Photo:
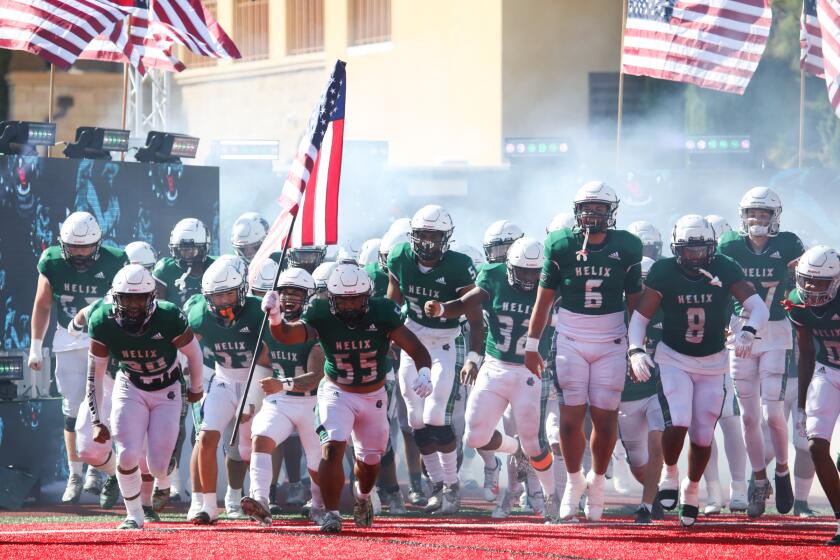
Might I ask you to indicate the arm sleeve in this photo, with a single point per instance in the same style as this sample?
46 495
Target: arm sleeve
195 361
255 393
550 276
96 370
637 329
759 314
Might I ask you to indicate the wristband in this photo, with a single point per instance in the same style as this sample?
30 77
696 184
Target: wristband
425 371
288 382
532 344
635 350
36 347
749 329
475 357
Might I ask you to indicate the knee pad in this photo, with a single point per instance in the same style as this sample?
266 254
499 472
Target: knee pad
541 461
442 435
425 440
637 453
70 424
368 457
388 459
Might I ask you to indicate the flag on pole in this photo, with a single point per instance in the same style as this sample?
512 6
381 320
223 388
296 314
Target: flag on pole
810 41
56 30
828 16
313 180
189 23
714 44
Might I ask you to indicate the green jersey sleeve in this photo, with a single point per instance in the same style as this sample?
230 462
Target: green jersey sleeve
556 247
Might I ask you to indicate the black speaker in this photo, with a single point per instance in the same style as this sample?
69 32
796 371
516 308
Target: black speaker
15 486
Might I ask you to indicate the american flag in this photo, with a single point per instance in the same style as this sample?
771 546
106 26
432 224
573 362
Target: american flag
828 16
189 23
810 40
56 30
313 180
714 44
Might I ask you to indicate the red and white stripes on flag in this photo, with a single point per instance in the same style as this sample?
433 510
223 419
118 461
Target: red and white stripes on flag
828 15
189 23
714 44
810 40
311 189
56 30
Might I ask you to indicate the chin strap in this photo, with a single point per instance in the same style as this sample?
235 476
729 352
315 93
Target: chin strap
583 254
713 280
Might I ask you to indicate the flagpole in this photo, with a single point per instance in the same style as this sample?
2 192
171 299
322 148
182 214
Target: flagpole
620 89
801 115
260 336
51 95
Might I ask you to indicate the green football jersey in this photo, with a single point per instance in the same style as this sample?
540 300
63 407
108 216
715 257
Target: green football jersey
824 324
113 363
597 285
695 309
508 315
379 278
73 290
179 285
232 346
442 283
290 360
355 356
767 271
150 360
637 391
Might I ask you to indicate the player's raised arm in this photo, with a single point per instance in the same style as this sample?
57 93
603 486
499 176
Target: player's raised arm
295 332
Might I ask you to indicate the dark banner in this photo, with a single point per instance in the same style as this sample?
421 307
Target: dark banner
131 201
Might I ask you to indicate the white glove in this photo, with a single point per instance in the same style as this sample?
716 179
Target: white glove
36 354
801 417
271 305
743 343
642 365
422 386
73 330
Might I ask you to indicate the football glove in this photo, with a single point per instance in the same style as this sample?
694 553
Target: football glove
801 417
744 342
422 386
641 364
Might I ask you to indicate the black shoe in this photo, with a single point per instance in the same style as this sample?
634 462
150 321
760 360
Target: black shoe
834 541
751 486
643 515
273 506
784 494
669 495
150 515
688 515
658 512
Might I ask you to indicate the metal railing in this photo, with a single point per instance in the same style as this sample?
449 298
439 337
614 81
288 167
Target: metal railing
250 28
368 21
304 26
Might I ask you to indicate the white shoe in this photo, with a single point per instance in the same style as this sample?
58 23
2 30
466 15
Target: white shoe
669 488
738 496
714 501
595 498
575 487
503 506
73 491
491 481
622 478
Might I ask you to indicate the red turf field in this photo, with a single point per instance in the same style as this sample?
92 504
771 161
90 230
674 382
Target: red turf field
414 537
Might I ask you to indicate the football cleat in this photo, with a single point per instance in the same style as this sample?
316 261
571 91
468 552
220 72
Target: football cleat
784 493
657 513
595 500
451 499
316 515
295 495
689 503
256 510
150 515
436 501
129 523
504 505
93 481
363 513
802 509
575 487
160 498
331 523
491 481
273 506
395 503
552 510
668 489
416 497
110 493
204 518
738 501
73 492
758 500
643 516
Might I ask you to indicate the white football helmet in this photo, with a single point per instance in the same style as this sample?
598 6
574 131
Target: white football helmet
760 198
133 294
400 225
647 262
719 224
296 286
140 252
249 231
189 242
563 220
597 192
391 240
348 291
307 258
369 253
818 275
498 238
321 275
347 254
80 238
650 236
236 262
474 254
693 243
219 283
431 230
264 278
524 263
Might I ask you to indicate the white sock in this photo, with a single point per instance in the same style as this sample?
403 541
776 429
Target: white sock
783 473
672 471
260 476
317 499
509 445
134 510
233 494
175 480
489 458
558 467
449 465
197 500
802 488
76 467
546 478
130 486
163 483
433 467
210 504
109 467
762 482
146 489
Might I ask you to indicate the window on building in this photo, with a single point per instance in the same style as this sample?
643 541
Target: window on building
304 26
250 28
369 21
192 60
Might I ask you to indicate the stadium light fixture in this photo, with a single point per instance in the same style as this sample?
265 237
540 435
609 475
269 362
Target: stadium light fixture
97 143
21 137
516 148
166 147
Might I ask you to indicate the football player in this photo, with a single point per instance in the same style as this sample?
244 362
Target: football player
75 273
249 231
307 258
595 270
692 288
767 256
290 398
355 331
815 312
650 237
179 275
369 253
145 335
498 238
423 270
641 422
226 322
